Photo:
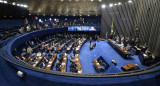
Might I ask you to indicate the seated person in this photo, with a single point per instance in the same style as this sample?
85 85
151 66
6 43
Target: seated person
45 60
156 58
128 47
148 58
50 55
58 65
126 41
24 50
55 49
39 54
32 43
144 47
23 58
73 67
42 64
72 59
43 46
133 42
92 45
130 67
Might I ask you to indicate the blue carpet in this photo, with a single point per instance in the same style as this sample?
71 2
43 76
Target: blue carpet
108 53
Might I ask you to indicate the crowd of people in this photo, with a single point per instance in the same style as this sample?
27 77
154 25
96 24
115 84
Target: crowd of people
133 43
42 45
52 24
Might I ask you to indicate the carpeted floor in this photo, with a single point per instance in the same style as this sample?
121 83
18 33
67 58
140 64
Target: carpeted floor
107 52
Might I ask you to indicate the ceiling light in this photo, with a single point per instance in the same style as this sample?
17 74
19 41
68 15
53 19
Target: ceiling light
130 1
103 6
5 2
100 0
13 3
110 5
119 3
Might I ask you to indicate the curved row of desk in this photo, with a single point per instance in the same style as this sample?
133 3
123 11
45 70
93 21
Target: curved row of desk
9 66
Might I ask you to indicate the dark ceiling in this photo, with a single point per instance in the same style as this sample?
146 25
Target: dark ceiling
65 7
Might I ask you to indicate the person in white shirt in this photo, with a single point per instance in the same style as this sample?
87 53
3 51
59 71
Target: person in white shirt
39 54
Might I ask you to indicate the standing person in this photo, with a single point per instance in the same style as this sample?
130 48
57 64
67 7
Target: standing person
137 31
29 50
90 40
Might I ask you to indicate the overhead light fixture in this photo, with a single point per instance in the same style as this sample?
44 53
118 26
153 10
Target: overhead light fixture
5 2
18 4
13 3
119 3
25 6
110 5
92 0
115 4
103 6
100 0
50 19
130 1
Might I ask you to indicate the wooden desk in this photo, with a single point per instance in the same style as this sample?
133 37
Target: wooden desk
102 39
51 48
122 52
61 47
64 63
35 64
77 62
51 61
128 67
97 65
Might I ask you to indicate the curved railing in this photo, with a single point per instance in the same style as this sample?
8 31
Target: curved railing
11 59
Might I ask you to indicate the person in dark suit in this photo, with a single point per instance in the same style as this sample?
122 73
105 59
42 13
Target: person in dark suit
58 65
73 67
111 36
157 58
50 55
144 47
126 41
132 42
137 41
42 64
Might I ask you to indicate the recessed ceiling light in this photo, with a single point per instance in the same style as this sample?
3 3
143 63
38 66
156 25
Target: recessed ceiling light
103 6
110 5
119 3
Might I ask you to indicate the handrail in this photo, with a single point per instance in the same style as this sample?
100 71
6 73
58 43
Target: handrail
83 75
